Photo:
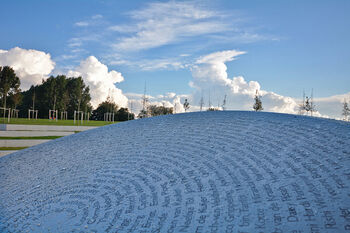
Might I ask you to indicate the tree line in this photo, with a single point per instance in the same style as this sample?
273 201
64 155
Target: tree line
69 94
62 93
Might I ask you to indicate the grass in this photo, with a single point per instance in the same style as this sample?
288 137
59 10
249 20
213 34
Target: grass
25 121
35 137
12 148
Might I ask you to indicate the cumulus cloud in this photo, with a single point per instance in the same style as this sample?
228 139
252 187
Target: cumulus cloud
30 65
211 82
211 69
210 76
332 106
169 100
101 81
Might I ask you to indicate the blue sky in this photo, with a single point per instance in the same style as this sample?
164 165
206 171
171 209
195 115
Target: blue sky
289 45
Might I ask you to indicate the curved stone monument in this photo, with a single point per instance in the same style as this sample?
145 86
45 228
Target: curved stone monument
195 172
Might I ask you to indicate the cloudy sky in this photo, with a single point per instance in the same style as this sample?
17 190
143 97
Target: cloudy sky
186 49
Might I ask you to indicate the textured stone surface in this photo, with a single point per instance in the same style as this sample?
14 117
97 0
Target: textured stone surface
197 172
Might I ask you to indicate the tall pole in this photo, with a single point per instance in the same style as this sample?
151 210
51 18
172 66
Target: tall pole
312 100
144 102
224 103
209 101
201 103
34 100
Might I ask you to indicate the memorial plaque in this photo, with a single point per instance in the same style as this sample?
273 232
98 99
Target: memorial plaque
194 172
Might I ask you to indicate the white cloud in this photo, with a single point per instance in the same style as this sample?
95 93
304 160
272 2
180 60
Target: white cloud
165 23
210 76
332 106
101 81
93 21
210 80
161 64
211 69
79 41
30 65
82 24
97 16
170 100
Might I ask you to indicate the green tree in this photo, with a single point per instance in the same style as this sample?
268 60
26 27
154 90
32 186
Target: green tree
186 105
9 83
104 107
346 111
258 104
123 114
155 110
143 114
59 93
14 99
79 96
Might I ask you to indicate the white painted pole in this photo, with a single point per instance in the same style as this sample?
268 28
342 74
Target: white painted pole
8 115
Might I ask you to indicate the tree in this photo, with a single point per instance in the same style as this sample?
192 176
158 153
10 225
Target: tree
143 114
59 93
108 105
309 106
123 114
346 111
155 110
79 96
258 104
104 107
14 99
9 83
186 105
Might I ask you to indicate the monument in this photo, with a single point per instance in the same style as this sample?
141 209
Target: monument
64 115
108 116
3 113
32 114
77 115
14 113
53 114
222 171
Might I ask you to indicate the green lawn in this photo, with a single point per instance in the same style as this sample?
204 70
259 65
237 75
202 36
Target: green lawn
25 121
34 137
12 148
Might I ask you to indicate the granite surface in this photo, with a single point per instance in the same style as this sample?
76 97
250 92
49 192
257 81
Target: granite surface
195 172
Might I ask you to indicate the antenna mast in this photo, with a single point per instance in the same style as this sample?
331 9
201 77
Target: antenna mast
144 102
201 103
209 101
224 103
312 101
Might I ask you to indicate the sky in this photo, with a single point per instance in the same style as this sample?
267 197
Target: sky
186 49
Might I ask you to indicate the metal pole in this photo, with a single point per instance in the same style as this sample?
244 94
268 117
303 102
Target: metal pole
8 115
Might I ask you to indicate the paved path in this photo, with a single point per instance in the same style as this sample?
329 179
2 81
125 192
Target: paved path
6 152
195 172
